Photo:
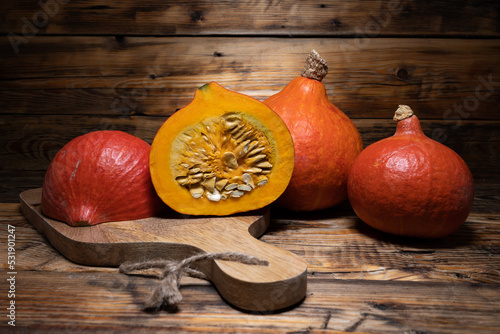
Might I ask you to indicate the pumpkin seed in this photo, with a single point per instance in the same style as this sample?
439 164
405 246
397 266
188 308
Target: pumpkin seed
248 179
230 159
214 196
262 181
256 158
194 170
244 187
242 149
219 185
253 170
209 184
231 121
256 151
209 175
182 180
237 193
232 186
196 191
264 164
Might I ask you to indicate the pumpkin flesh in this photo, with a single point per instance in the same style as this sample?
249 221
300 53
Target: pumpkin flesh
223 153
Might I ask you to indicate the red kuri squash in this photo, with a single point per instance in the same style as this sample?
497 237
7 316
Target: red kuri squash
411 185
326 141
99 177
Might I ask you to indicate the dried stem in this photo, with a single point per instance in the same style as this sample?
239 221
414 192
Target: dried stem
403 112
316 67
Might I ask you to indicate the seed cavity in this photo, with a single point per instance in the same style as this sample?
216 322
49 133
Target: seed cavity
222 157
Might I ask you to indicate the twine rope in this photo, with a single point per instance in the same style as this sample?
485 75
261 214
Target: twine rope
166 292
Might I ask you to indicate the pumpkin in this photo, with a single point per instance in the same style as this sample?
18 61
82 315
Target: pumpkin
223 153
99 177
326 141
411 185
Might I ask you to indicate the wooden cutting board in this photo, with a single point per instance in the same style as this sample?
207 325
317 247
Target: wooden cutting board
279 285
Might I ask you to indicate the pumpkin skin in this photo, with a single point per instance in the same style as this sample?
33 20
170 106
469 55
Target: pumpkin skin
192 138
326 141
411 185
99 177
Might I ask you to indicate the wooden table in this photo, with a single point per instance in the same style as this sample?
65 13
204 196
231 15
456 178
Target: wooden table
71 67
359 280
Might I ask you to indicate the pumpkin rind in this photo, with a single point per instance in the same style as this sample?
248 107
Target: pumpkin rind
99 177
411 185
326 141
212 103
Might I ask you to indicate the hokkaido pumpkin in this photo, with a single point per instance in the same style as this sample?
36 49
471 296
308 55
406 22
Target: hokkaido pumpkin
99 177
325 139
223 153
411 185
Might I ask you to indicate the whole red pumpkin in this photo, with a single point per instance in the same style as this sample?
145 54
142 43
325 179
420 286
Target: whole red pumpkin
99 177
409 184
326 141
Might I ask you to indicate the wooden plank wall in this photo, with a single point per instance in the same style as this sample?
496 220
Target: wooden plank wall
69 67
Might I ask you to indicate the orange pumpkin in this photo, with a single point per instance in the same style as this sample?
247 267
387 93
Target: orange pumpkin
99 177
326 141
411 185
223 153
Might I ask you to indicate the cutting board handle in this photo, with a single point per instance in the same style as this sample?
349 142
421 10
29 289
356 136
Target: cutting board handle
276 286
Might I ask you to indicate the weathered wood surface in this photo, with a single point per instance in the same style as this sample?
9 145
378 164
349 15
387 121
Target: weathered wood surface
335 244
263 17
444 79
359 280
109 302
245 286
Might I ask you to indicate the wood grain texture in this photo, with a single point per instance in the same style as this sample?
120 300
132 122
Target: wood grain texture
176 237
54 294
335 244
341 246
445 79
269 17
107 302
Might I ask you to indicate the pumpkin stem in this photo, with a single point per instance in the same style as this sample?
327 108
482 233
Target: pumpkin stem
403 112
316 67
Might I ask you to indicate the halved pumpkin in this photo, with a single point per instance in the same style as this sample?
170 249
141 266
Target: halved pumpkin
223 153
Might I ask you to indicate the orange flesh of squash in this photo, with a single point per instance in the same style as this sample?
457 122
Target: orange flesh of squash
211 103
